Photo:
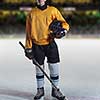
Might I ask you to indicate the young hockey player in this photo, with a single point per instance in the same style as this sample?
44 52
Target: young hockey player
40 44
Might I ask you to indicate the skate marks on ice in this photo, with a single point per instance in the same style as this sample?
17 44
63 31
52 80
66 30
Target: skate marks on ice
8 94
82 98
78 98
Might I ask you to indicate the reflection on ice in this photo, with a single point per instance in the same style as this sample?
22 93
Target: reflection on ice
6 97
11 94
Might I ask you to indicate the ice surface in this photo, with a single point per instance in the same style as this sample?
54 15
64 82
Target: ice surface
79 70
6 97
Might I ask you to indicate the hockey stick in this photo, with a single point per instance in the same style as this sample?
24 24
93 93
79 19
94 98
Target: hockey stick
38 65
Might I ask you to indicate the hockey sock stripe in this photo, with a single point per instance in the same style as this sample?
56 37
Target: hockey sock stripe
54 77
39 77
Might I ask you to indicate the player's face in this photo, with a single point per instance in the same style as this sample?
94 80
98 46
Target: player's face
41 2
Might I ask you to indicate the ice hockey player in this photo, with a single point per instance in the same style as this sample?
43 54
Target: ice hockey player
40 44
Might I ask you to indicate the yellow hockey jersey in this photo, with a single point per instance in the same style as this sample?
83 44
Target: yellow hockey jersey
37 25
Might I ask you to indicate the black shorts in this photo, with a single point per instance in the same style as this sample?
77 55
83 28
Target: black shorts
50 51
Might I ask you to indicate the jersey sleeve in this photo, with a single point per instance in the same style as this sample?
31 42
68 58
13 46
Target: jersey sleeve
60 17
28 41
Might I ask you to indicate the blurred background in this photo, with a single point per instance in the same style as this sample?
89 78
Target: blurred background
82 15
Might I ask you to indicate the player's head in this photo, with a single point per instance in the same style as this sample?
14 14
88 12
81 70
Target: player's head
41 2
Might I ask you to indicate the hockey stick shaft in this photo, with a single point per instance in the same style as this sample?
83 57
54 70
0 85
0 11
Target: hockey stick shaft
36 63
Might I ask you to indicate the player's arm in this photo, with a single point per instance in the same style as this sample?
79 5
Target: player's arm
59 17
28 41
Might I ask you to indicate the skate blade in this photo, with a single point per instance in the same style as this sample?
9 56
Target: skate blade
53 98
42 98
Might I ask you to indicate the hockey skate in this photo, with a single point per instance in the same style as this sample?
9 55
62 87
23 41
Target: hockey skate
40 94
57 95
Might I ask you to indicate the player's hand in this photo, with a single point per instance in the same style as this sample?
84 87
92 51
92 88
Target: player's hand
28 53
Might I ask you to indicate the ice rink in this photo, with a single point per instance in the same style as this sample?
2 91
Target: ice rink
79 70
